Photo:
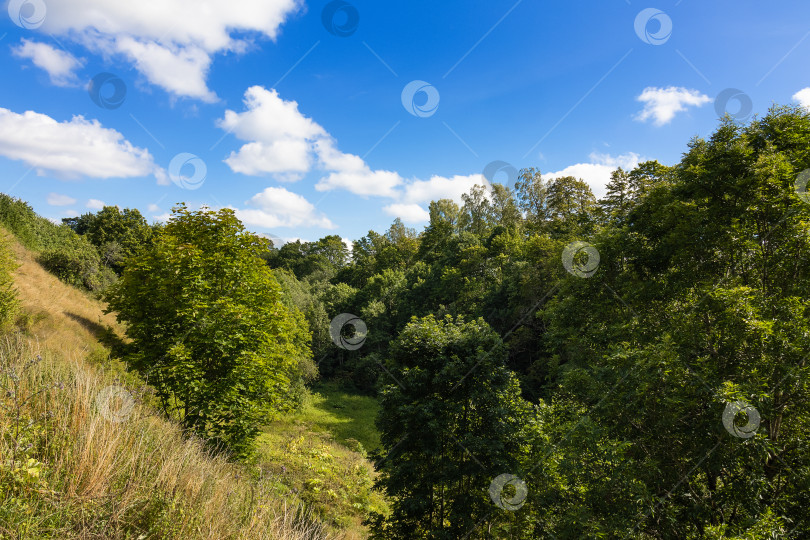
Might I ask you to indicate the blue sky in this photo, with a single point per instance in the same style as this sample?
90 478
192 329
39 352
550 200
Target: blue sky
302 127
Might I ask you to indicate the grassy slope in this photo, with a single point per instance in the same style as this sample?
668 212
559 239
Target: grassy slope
63 319
74 474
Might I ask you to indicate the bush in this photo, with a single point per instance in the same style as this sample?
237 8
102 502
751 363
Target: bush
78 265
64 253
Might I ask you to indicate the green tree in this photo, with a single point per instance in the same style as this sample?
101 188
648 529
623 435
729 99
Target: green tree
700 302
452 423
116 233
210 328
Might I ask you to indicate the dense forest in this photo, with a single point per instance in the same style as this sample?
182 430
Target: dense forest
548 365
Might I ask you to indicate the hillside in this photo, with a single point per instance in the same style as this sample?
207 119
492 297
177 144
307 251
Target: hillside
68 472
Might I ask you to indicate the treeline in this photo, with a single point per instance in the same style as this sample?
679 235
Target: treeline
86 251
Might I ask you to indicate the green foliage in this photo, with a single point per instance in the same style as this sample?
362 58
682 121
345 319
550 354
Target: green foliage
318 454
453 420
67 255
209 326
9 304
700 301
78 263
605 394
116 234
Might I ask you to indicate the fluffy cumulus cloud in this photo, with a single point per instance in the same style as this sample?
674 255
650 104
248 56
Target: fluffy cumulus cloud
351 173
597 172
280 141
662 104
71 149
278 207
56 199
60 65
803 97
171 42
95 204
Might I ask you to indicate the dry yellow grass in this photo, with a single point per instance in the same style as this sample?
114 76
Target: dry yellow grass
64 318
72 471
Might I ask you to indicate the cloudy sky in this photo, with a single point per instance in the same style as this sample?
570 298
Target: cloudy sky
316 118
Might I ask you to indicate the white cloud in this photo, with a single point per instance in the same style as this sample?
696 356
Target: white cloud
60 65
418 192
409 213
72 148
440 187
661 104
56 199
277 207
803 97
180 70
152 208
351 173
597 173
349 245
364 182
95 204
280 138
170 41
284 143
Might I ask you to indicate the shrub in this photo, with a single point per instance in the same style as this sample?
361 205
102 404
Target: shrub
64 253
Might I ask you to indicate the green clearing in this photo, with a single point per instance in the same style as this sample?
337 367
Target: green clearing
319 455
347 415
